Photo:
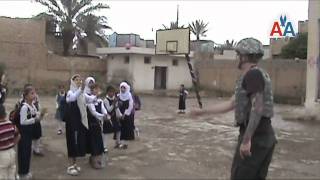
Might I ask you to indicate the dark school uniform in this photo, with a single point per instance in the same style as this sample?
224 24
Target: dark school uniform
28 115
37 129
76 132
112 125
127 123
182 99
95 116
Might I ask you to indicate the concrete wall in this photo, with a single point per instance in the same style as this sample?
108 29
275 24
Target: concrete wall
313 53
232 54
142 75
25 54
288 78
227 54
267 52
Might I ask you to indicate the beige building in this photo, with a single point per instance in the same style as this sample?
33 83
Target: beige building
312 89
145 69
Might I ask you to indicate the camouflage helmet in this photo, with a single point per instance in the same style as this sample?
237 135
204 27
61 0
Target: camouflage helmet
249 46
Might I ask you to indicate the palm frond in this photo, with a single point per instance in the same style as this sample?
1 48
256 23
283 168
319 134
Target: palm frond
92 8
74 18
198 28
165 27
55 10
105 26
92 25
79 6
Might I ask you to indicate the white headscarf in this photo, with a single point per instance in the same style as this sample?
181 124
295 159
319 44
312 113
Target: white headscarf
73 85
127 95
80 102
87 88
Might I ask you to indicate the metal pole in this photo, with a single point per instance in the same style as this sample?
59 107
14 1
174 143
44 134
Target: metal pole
194 80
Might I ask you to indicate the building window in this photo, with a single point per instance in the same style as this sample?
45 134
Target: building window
147 60
126 59
175 62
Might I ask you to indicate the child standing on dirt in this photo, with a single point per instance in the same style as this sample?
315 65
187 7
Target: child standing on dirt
9 137
29 115
112 125
96 115
125 101
76 125
183 93
60 107
136 107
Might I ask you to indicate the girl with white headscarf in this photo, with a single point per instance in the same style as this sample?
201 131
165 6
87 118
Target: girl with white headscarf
76 124
126 112
89 97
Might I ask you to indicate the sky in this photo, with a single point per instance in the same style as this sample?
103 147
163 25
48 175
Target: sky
227 19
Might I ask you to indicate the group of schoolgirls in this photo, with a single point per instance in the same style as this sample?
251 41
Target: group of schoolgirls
23 128
88 120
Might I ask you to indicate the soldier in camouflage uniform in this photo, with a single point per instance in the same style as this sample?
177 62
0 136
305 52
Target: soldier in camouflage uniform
253 106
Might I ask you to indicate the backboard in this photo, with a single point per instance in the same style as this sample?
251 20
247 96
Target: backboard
173 41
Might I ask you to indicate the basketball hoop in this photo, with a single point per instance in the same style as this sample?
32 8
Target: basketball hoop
177 42
173 41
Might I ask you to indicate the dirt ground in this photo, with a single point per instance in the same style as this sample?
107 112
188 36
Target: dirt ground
174 146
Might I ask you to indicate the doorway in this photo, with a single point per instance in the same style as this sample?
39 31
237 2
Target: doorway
160 77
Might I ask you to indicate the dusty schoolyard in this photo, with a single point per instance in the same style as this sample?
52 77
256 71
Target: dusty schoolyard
174 146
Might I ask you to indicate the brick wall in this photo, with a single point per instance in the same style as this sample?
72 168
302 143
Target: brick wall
25 53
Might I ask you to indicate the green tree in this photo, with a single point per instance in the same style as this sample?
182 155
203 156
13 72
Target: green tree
198 28
296 48
66 13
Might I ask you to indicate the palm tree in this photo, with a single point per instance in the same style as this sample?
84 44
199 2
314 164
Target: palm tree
173 25
94 27
66 12
198 28
229 45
